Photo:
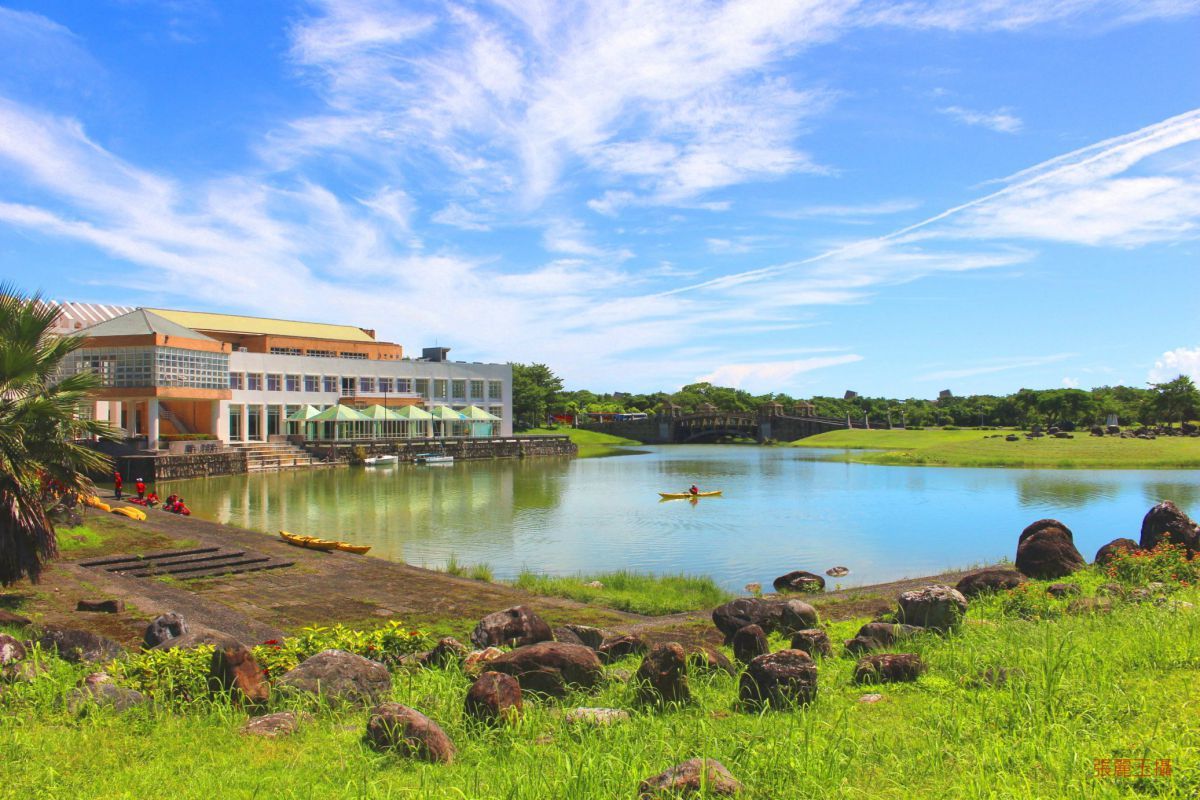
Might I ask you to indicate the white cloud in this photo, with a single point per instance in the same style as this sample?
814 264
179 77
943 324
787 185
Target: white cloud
393 205
989 366
459 217
772 375
843 213
1173 363
1070 383
1002 120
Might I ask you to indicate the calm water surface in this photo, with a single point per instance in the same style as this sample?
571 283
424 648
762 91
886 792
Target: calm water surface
782 509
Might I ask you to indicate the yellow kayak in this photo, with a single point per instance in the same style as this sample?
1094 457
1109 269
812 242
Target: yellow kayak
686 495
131 513
313 543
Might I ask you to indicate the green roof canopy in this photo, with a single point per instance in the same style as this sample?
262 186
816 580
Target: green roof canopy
477 414
340 413
413 412
304 414
446 413
380 414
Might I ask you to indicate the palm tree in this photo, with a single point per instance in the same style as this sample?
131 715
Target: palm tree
42 458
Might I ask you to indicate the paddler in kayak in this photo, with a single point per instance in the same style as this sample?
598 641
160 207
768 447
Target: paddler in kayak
695 490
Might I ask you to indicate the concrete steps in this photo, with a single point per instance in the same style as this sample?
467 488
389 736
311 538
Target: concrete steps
197 562
266 456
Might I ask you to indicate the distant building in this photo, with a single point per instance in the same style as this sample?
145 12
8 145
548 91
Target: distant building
945 394
850 395
243 378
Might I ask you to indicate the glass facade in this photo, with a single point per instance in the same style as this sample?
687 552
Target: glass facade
141 367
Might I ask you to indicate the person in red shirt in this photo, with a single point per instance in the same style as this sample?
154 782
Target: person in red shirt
117 483
152 499
141 489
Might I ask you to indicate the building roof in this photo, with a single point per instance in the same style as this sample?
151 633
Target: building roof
141 322
76 316
234 323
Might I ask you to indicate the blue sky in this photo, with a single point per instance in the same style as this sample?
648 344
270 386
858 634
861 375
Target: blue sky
796 196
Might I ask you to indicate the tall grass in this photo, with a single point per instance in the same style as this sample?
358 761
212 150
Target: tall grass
630 591
592 444
1084 687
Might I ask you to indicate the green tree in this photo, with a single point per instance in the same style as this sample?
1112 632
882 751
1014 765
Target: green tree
534 391
1177 399
43 459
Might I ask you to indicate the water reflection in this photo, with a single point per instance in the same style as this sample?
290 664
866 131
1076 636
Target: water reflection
781 510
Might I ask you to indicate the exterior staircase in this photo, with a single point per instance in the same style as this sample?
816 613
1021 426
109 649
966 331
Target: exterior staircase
264 456
167 415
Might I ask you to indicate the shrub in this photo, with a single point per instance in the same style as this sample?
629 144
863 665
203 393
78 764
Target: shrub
1167 563
1030 601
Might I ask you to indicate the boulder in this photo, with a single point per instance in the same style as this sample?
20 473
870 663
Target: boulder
101 606
749 643
98 689
888 668
551 667
78 646
339 678
1110 590
494 697
814 641
587 635
837 572
799 581
164 627
879 635
691 777
662 677
1165 522
11 650
703 658
477 660
400 729
14 620
512 627
1063 590
781 680
772 615
566 635
937 608
448 651
1012 437
990 579
1048 553
197 637
617 647
1109 551
271 726
597 717
234 669
1041 525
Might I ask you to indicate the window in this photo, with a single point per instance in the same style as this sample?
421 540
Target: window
495 390
329 384
423 387
476 390
439 388
458 388
285 351
237 380
137 367
366 385
321 353
358 356
348 387
496 411
386 386
312 383
254 381
293 383
403 385
274 383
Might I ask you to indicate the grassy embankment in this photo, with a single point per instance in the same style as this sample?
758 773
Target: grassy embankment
592 444
974 448
1115 686
652 595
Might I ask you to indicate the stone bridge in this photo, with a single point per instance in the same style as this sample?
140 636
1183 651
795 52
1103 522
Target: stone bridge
713 426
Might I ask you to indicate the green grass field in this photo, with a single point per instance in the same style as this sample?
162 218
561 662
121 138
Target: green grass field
592 444
972 448
630 591
1088 693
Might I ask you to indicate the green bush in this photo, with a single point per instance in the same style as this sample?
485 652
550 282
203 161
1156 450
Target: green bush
1167 563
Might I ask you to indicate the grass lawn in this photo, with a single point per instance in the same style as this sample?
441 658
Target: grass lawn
1097 705
974 448
652 595
104 534
592 444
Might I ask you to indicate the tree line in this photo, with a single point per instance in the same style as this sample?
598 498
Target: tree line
538 395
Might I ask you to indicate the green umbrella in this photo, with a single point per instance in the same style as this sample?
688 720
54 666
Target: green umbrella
476 414
419 415
339 416
304 414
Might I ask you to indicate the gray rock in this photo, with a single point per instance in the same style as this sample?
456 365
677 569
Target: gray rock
598 717
339 678
1165 522
397 728
780 680
272 726
512 627
99 691
938 608
197 637
771 614
990 579
814 641
551 667
749 643
164 627
494 697
662 676
11 650
889 668
690 777
799 581
78 646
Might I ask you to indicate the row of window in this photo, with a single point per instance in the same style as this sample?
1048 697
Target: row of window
437 388
275 418
128 367
296 351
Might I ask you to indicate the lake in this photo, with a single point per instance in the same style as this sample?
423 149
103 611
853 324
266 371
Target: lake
782 509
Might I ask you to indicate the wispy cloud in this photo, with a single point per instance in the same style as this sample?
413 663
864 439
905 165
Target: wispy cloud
1002 120
772 375
989 366
1173 363
849 213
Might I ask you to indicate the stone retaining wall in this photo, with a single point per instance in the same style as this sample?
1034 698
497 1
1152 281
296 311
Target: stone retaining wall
175 467
462 449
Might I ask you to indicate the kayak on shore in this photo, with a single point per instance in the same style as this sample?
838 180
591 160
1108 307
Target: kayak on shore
686 495
313 543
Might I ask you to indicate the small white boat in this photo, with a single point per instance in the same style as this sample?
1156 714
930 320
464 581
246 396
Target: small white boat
433 458
381 461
